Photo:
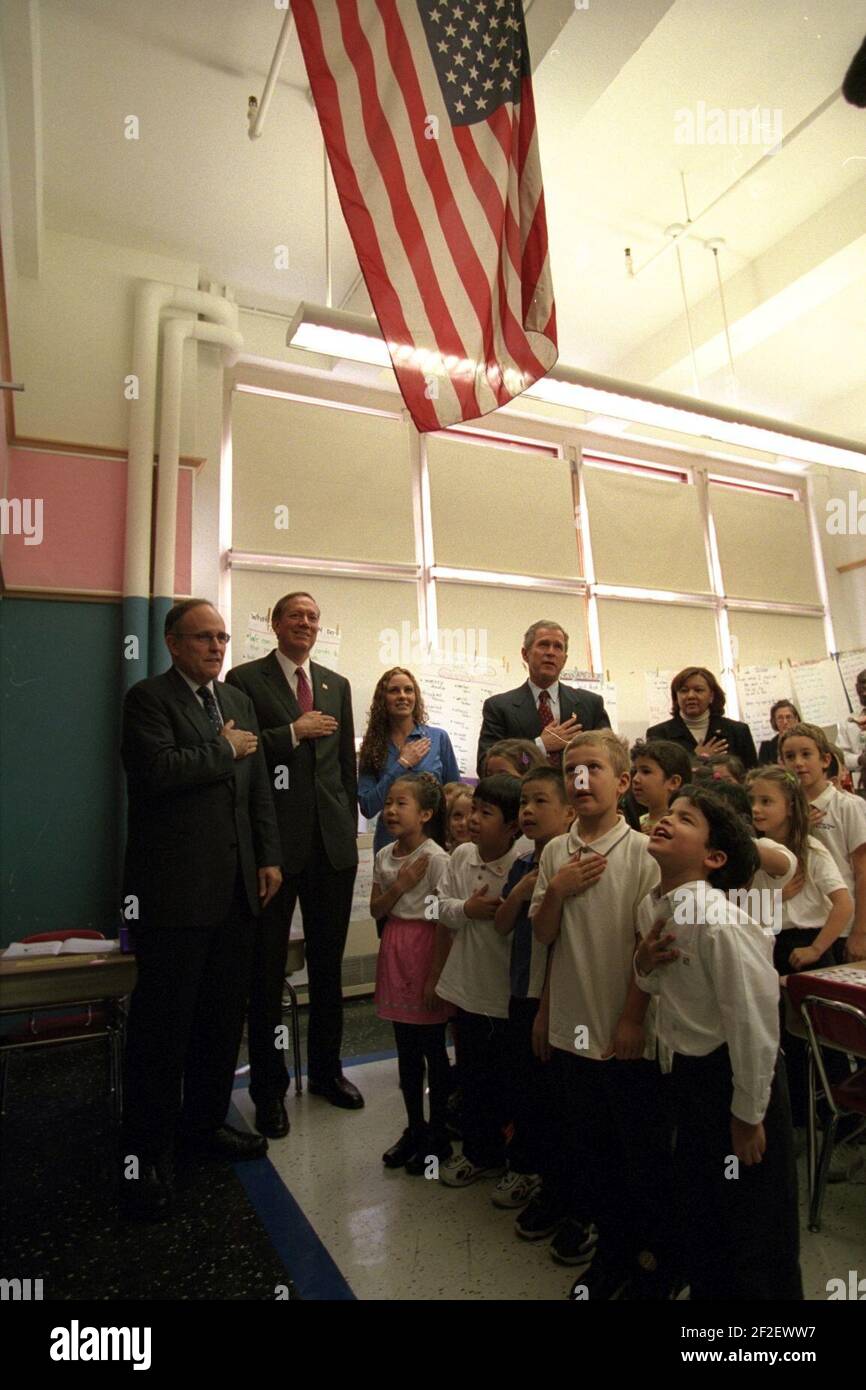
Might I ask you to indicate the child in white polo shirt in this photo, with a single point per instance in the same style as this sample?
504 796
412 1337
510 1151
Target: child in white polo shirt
717 1026
838 821
589 885
476 975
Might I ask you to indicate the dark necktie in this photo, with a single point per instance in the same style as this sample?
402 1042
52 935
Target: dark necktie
210 706
305 694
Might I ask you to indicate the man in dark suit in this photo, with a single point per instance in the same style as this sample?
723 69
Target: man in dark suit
305 714
202 859
541 709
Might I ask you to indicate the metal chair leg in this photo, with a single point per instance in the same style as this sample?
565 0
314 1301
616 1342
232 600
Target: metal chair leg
823 1170
296 1036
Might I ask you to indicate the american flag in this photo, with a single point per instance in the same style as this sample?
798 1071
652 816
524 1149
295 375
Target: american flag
427 113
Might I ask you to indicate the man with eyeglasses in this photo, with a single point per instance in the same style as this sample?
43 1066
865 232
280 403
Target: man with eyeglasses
305 715
202 858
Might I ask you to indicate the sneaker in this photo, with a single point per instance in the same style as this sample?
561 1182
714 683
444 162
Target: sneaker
515 1189
460 1171
431 1146
574 1242
601 1281
539 1220
405 1147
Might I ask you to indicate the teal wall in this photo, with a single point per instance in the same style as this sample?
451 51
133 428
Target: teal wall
60 783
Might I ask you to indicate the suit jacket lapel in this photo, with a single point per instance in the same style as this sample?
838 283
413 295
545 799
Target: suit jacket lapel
273 672
192 706
324 690
524 702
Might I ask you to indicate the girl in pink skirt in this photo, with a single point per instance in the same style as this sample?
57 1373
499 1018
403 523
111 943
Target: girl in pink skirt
406 876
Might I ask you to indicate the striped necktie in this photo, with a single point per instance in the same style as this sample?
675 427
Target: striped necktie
210 706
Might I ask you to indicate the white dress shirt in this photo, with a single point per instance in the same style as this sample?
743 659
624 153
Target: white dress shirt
553 693
413 905
290 670
851 739
722 988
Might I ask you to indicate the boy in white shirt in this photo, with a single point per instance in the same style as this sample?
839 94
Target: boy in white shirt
476 974
589 885
718 1032
838 821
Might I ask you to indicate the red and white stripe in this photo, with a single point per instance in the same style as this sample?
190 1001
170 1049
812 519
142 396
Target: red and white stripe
450 233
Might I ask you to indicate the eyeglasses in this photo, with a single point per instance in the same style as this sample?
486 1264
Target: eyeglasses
222 638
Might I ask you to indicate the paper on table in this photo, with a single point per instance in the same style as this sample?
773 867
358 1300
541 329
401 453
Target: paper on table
820 695
759 687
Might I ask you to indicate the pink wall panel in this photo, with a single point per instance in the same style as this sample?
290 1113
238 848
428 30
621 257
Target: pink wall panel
83 520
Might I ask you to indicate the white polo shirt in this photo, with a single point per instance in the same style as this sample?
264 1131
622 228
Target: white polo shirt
414 904
591 961
722 988
842 829
476 975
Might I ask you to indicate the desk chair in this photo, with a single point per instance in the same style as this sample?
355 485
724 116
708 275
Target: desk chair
832 1023
102 1020
295 961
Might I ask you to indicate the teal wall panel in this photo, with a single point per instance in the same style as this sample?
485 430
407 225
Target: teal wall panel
61 825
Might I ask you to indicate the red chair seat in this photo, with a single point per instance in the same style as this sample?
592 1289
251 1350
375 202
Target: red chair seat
850 1094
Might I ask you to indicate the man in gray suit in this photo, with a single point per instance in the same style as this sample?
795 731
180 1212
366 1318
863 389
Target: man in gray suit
304 712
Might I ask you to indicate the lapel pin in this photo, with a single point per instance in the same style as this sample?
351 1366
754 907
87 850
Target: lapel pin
324 687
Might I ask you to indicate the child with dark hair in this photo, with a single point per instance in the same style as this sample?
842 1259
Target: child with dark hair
475 975
658 769
533 1152
727 767
406 875
706 963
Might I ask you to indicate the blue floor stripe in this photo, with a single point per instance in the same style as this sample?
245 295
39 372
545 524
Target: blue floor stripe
242 1082
306 1259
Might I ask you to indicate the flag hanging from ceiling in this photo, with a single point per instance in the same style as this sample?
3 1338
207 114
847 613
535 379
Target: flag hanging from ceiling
428 118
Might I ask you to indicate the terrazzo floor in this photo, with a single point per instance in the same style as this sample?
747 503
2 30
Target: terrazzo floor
321 1211
398 1237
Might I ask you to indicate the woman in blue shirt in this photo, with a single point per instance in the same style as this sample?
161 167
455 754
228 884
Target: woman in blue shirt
399 739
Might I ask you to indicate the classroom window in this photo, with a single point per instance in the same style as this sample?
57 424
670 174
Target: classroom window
342 477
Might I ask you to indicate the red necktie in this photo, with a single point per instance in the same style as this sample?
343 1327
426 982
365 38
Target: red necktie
545 714
305 694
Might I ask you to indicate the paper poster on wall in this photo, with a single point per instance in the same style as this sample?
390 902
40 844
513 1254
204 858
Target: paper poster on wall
850 665
588 680
363 886
819 691
454 700
259 639
658 696
758 688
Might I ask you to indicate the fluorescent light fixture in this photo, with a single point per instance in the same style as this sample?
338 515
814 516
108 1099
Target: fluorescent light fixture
607 424
340 334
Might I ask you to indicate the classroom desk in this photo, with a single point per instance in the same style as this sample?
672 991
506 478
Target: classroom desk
44 982
844 983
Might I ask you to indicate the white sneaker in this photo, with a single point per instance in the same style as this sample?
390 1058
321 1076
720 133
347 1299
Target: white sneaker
460 1171
515 1189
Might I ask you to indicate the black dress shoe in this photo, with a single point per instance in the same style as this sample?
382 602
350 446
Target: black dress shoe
233 1144
150 1196
272 1119
406 1145
339 1092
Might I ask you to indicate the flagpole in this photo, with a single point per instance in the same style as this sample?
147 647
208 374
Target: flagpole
328 294
256 111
